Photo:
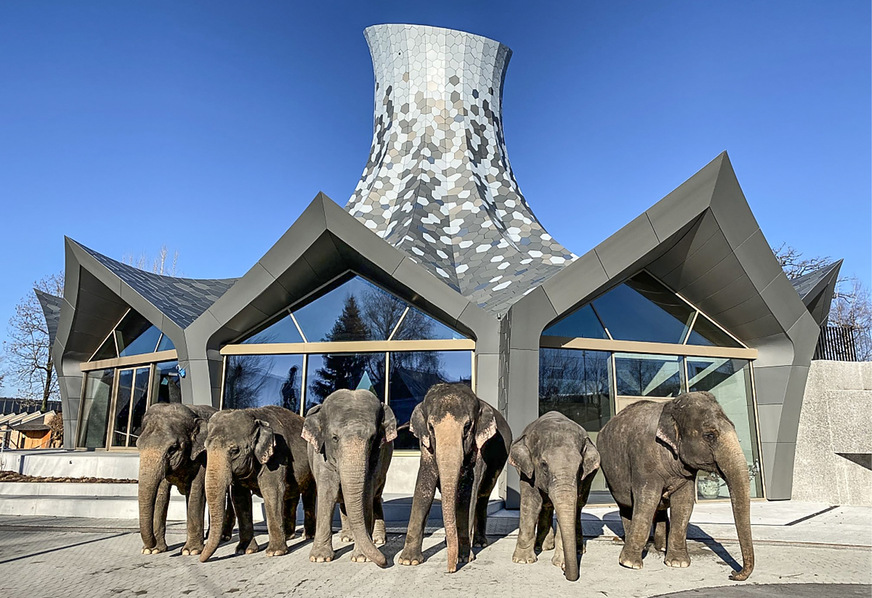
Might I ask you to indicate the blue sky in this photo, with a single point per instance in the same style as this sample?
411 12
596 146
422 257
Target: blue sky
208 126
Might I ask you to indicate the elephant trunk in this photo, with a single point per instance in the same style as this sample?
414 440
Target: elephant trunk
731 462
217 482
152 466
449 460
566 507
353 478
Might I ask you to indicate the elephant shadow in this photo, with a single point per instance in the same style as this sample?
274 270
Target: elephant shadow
612 520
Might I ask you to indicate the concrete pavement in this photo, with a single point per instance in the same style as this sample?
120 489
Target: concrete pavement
796 543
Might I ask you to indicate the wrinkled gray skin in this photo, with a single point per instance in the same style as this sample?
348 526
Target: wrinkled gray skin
651 453
259 450
557 462
171 454
464 446
350 440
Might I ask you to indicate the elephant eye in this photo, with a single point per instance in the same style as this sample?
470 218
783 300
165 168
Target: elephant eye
335 438
234 449
467 427
710 436
172 449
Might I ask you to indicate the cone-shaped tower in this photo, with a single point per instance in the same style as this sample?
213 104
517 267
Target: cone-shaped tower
438 183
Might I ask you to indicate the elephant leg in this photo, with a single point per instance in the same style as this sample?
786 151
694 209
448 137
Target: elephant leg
559 557
545 526
681 507
579 532
379 531
229 519
196 502
464 544
328 493
345 534
161 507
291 516
273 490
661 530
242 506
425 490
636 537
626 517
531 515
309 511
480 529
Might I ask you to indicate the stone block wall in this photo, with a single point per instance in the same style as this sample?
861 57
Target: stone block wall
834 442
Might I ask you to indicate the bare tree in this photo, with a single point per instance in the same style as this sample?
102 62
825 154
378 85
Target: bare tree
794 264
28 353
851 307
163 263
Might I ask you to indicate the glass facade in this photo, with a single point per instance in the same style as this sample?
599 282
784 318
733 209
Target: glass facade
350 310
133 335
590 386
94 409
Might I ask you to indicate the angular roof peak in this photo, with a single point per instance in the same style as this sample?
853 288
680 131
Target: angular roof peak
181 300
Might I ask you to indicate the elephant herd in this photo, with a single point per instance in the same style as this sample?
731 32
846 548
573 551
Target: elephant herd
340 453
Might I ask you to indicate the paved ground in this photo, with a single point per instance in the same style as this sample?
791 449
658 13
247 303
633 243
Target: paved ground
67 557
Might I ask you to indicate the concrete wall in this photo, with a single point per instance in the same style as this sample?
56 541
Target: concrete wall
836 420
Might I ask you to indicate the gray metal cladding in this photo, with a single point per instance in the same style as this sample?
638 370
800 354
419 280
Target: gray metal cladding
438 184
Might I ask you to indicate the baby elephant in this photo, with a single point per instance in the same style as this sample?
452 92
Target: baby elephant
351 443
557 462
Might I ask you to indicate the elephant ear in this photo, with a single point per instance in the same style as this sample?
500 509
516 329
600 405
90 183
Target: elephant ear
667 428
520 457
389 425
312 427
418 425
198 437
486 426
264 442
590 458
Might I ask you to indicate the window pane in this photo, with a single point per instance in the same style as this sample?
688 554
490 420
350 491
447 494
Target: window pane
167 385
575 383
340 314
648 375
260 380
136 335
334 371
642 309
281 331
706 333
95 408
107 349
140 402
122 407
580 323
419 326
165 344
412 374
730 381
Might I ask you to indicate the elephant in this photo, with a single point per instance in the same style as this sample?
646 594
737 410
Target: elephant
350 439
171 454
259 450
651 453
464 446
557 462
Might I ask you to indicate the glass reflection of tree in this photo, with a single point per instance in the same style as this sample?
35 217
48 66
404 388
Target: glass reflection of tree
290 400
576 383
245 379
382 312
639 374
342 370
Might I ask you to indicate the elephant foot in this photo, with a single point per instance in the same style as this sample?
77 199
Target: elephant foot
346 536
247 547
631 561
321 554
192 549
480 540
524 556
357 556
410 557
153 550
379 539
278 550
558 561
226 537
290 534
676 558
548 542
